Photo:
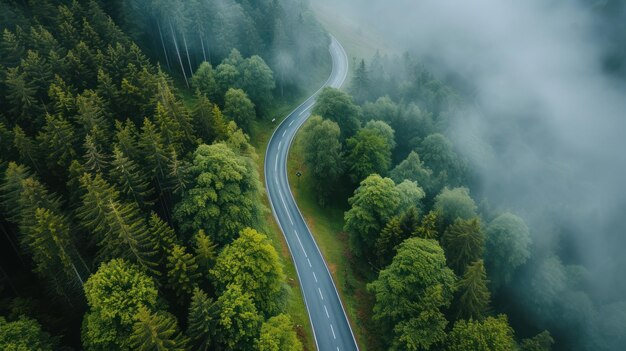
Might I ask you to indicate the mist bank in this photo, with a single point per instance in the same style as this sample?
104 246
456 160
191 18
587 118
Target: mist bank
542 125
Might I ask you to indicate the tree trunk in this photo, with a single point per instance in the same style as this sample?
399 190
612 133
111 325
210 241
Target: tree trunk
187 52
202 42
208 50
167 60
180 60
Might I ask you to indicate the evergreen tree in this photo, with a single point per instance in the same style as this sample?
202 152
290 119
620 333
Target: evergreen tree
398 229
97 194
95 160
204 81
154 153
464 243
179 179
360 88
26 148
182 271
130 180
93 117
202 319
126 140
454 203
429 227
57 137
473 294
162 236
156 331
205 251
368 153
12 187
412 168
21 96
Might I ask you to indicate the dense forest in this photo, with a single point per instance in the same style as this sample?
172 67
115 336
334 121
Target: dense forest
132 212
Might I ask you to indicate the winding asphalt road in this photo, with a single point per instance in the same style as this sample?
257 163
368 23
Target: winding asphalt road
330 324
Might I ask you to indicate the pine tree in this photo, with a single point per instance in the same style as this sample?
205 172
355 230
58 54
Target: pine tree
126 139
206 252
182 271
21 95
202 118
179 179
62 97
154 153
464 243
11 189
26 148
128 236
219 124
93 117
95 160
57 137
156 331
202 319
472 292
360 83
169 129
397 230
96 196
130 180
429 228
162 235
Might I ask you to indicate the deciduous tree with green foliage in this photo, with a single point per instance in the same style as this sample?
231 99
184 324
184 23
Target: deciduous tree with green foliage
507 247
367 153
24 334
412 168
373 204
204 81
252 263
322 155
238 108
337 106
225 196
114 295
238 320
454 203
410 295
491 334
277 334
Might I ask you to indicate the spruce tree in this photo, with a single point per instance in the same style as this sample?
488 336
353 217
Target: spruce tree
27 149
162 236
57 137
156 331
130 180
182 271
201 320
95 160
472 292
464 243
206 252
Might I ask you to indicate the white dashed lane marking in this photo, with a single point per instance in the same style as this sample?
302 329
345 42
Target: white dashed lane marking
333 330
301 246
314 277
310 265
320 291
326 309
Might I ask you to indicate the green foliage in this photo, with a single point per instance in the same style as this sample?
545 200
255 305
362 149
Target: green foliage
26 148
360 85
227 76
464 243
412 168
277 334
182 271
257 80
473 294
384 130
337 106
411 195
24 334
367 153
12 187
492 334
156 331
454 203
398 229
162 236
372 205
202 319
225 196
95 160
410 294
429 228
507 247
322 155
438 155
204 81
252 263
238 108
57 137
115 293
238 321
130 180
540 342
205 251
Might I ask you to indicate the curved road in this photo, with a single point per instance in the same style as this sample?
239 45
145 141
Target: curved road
330 324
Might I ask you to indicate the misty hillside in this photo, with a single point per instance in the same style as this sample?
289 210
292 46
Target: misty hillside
300 175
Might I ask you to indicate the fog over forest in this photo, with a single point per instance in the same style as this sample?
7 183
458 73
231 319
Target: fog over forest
543 126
